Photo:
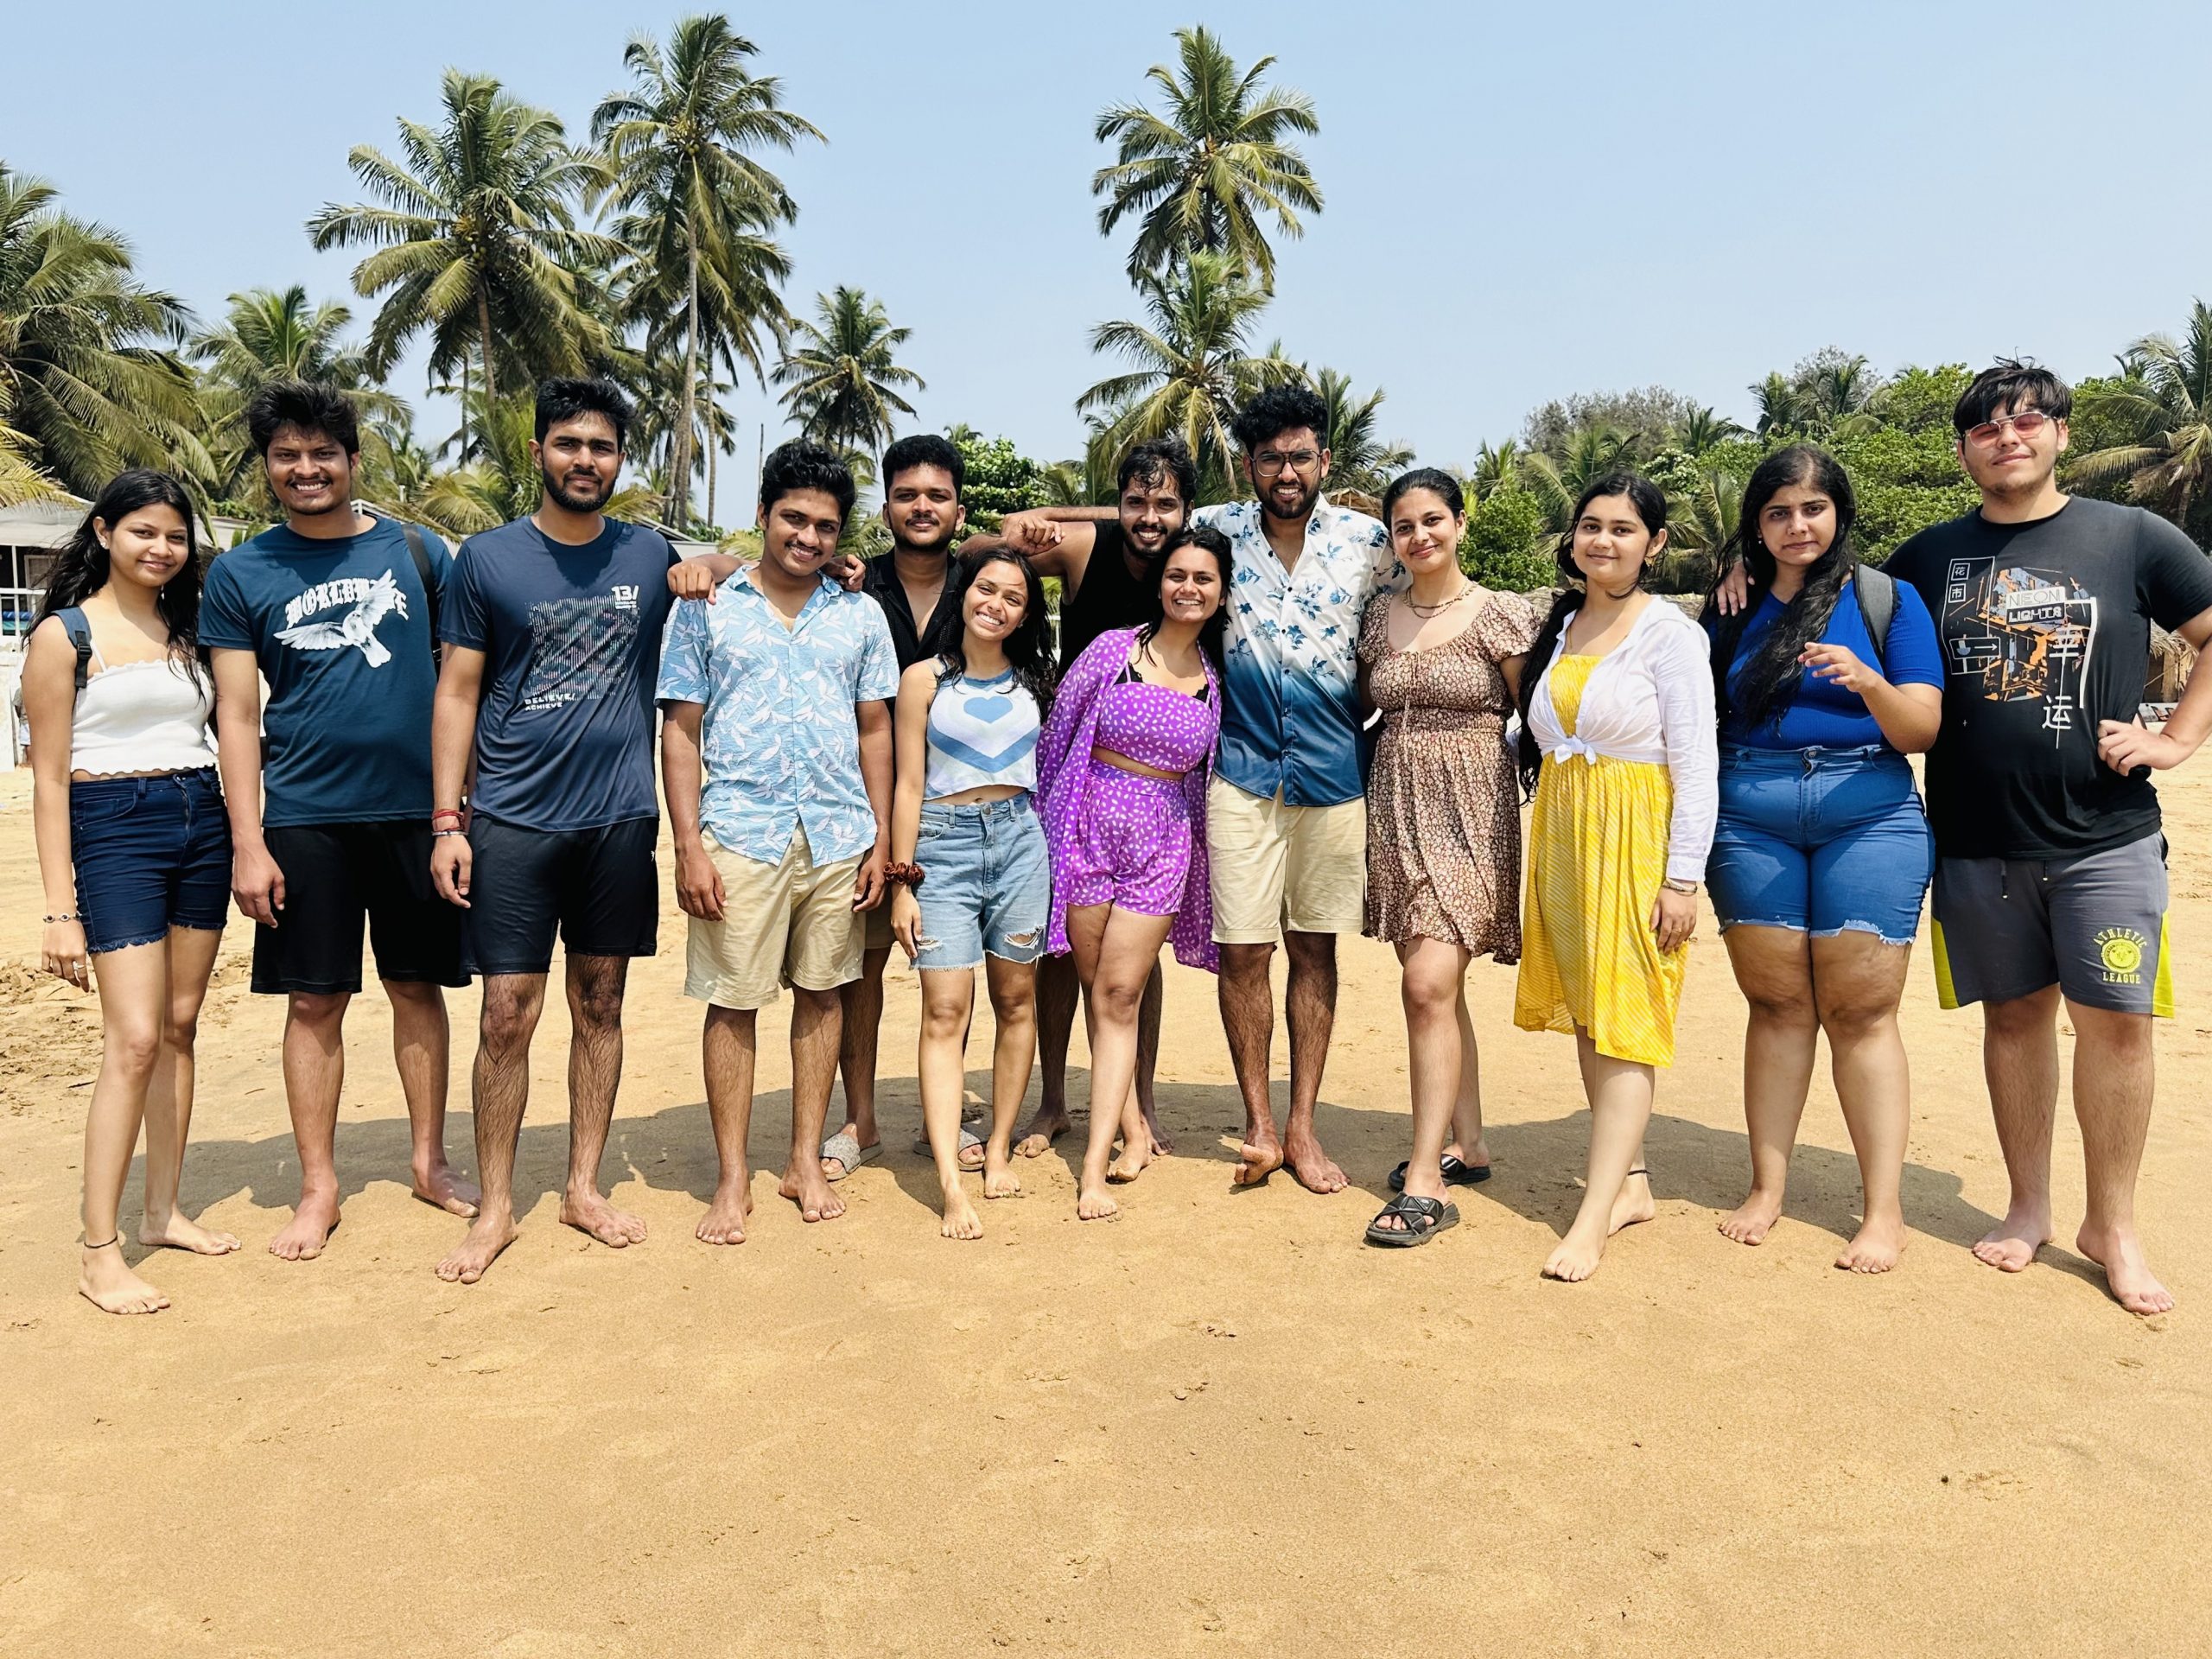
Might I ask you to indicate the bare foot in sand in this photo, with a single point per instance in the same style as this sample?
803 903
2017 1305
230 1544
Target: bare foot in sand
724 1222
104 1280
1577 1257
1096 1204
479 1248
588 1212
961 1220
1044 1129
2121 1254
816 1199
1879 1242
178 1232
1262 1156
439 1187
1313 1168
1131 1164
2012 1243
1161 1146
999 1181
310 1230
1754 1218
1633 1203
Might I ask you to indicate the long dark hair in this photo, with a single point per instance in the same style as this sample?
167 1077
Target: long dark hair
1028 648
1769 681
1215 627
1651 505
80 568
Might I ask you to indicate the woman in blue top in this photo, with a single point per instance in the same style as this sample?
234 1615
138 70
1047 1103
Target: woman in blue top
1824 854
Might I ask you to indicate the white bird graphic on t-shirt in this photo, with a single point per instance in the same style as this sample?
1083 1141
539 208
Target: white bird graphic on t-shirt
357 627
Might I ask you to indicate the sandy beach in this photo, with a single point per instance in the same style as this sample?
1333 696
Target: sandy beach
1219 1425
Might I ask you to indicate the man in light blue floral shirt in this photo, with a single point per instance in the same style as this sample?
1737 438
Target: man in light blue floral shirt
776 760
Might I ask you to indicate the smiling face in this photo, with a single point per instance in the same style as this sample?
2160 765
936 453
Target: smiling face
1287 473
1190 586
146 546
922 506
1797 524
2003 459
995 602
1612 545
799 531
311 473
1425 533
1152 510
579 459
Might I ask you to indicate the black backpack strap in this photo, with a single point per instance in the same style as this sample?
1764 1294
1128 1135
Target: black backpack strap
420 550
80 635
1877 606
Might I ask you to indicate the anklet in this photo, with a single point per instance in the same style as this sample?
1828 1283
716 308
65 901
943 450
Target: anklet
118 1239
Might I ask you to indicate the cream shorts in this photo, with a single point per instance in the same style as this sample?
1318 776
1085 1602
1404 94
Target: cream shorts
787 923
1278 867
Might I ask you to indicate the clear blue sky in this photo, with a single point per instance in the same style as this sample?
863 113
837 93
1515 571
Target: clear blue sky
1522 201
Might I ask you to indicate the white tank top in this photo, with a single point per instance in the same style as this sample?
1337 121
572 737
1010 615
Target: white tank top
981 733
141 717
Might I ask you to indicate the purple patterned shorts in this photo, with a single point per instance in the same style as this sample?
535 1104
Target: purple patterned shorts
1133 846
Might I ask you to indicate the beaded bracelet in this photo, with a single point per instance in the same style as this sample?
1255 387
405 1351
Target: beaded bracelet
66 916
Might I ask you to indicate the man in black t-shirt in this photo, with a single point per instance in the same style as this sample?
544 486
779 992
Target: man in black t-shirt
1101 565
2051 879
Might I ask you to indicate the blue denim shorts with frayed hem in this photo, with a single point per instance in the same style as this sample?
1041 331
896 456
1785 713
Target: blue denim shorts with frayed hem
987 886
151 854
1821 842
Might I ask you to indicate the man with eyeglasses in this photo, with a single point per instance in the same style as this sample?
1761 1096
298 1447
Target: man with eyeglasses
2051 877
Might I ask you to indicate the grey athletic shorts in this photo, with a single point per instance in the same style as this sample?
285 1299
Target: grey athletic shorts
2095 926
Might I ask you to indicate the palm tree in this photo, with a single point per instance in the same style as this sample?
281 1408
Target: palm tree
1496 469
1193 371
271 336
1358 461
90 380
1700 521
476 239
2162 405
1201 176
500 484
1701 428
693 201
1592 453
843 375
19 480
1780 405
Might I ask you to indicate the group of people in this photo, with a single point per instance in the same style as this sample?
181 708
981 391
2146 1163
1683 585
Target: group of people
1263 724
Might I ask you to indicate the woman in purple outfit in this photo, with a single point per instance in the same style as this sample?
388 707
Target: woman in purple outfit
1121 769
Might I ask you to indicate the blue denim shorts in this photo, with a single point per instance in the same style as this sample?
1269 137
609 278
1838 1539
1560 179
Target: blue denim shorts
151 854
1822 842
987 886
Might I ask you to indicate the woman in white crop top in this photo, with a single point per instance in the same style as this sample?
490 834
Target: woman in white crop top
972 884
133 846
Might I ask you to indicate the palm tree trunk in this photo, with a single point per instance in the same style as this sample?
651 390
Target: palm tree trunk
491 382
714 447
679 482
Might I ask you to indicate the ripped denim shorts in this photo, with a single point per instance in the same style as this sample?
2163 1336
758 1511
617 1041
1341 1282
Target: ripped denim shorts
987 884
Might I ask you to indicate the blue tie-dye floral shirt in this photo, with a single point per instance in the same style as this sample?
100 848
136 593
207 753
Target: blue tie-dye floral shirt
1290 719
780 738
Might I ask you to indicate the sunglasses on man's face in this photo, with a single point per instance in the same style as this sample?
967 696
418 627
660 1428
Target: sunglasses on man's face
2025 424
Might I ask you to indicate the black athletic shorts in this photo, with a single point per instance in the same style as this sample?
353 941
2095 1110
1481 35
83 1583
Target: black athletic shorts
599 888
336 873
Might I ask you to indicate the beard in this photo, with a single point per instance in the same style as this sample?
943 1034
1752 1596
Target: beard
556 487
1302 509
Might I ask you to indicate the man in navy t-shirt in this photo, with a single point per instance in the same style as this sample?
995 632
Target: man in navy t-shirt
335 609
552 632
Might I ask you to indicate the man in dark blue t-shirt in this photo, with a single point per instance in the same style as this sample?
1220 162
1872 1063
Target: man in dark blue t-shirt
552 633
335 609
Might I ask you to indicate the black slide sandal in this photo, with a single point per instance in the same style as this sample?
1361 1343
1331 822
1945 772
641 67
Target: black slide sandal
1455 1173
1424 1218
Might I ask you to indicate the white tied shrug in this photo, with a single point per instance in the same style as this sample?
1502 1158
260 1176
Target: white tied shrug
1649 699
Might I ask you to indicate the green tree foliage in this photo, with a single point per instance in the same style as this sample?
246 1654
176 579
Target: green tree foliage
90 378
998 479
844 372
1359 458
1199 178
2151 428
477 240
697 211
1506 544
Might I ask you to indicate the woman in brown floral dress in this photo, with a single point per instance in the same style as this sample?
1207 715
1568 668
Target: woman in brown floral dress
1442 662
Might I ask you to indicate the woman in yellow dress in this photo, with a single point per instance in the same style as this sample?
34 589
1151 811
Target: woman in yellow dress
1618 742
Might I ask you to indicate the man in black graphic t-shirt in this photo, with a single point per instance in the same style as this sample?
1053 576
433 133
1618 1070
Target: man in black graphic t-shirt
1102 561
2051 881
552 638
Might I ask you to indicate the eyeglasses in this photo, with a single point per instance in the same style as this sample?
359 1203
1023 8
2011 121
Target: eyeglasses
2025 424
1269 463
